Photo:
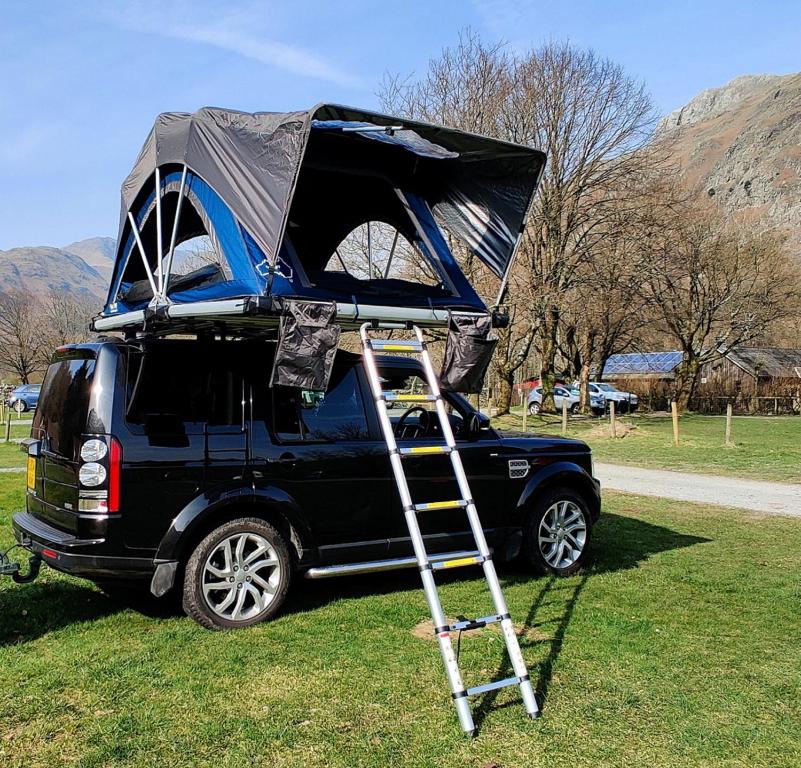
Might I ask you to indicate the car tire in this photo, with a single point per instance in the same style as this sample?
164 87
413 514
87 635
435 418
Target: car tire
20 406
534 409
563 514
575 408
238 575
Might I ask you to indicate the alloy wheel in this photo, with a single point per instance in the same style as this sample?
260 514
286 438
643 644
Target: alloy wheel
562 534
241 576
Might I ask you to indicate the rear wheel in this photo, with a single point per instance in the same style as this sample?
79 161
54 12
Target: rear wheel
575 408
557 533
238 575
534 408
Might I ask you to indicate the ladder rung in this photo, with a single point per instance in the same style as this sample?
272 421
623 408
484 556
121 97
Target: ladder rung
423 450
475 623
432 506
388 345
391 397
493 686
459 562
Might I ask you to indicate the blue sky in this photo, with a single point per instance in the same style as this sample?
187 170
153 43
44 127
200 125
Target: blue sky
81 82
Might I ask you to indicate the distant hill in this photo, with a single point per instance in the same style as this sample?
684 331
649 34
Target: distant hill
97 252
42 269
741 145
82 268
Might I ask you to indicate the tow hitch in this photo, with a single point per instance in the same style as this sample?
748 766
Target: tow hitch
12 568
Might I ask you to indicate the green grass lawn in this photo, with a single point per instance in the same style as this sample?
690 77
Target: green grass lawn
680 647
766 448
10 455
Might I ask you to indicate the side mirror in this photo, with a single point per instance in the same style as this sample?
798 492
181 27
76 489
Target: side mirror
477 423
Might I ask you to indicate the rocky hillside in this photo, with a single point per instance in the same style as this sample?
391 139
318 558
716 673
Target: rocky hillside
97 252
741 145
42 269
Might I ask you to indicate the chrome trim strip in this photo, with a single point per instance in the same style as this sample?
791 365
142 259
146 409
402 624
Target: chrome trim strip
376 566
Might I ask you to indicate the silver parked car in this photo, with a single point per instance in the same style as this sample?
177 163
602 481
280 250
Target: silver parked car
624 401
560 394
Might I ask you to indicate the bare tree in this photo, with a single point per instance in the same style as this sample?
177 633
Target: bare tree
21 337
65 319
591 119
712 285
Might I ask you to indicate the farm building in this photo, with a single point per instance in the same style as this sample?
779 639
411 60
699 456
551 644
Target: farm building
755 378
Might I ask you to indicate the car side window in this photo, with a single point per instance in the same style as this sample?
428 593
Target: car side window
303 415
405 416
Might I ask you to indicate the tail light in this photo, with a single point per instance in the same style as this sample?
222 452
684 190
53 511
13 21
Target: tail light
99 476
114 470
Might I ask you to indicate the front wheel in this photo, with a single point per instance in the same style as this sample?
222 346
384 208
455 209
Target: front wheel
575 409
20 406
557 533
534 408
238 575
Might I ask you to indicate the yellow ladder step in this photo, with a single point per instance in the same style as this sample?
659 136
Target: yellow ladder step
423 450
435 505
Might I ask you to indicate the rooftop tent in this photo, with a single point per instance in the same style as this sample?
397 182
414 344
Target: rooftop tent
280 196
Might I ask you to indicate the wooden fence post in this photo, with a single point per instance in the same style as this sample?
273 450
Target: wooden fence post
8 426
729 412
525 413
564 416
675 412
612 420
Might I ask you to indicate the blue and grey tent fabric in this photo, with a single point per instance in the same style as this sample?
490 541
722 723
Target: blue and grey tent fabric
245 184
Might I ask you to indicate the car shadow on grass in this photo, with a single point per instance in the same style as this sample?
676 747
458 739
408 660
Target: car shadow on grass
31 610
619 543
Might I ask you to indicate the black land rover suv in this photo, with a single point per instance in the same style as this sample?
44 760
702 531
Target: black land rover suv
173 461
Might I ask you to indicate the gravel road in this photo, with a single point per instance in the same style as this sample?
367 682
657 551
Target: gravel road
756 495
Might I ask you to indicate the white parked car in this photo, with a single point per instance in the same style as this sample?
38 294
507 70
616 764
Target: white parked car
560 394
624 401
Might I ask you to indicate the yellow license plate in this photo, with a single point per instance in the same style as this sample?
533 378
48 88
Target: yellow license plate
31 472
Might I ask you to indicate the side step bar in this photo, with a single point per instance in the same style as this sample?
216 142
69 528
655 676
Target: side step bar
376 566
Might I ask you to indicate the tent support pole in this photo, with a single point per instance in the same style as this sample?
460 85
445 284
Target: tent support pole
159 243
391 254
344 266
139 245
174 235
369 253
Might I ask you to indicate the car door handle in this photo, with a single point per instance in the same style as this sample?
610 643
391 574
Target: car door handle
285 459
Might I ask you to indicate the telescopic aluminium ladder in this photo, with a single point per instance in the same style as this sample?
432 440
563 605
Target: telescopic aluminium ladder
427 565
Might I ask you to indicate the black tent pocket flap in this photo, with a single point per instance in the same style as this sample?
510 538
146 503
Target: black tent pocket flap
468 352
306 346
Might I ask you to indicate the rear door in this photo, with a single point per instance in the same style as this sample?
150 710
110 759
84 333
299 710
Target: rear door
59 422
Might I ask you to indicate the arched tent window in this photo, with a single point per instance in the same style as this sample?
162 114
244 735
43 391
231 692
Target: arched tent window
210 249
376 250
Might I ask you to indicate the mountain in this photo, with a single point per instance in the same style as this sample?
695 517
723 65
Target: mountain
42 269
97 252
741 145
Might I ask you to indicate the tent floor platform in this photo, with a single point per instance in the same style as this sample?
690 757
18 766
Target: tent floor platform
254 315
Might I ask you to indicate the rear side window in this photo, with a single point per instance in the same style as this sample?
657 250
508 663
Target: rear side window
337 414
63 407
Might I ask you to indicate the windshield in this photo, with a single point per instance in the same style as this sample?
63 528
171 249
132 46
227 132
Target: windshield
607 388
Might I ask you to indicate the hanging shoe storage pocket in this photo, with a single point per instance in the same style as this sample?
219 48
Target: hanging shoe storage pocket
306 346
468 352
